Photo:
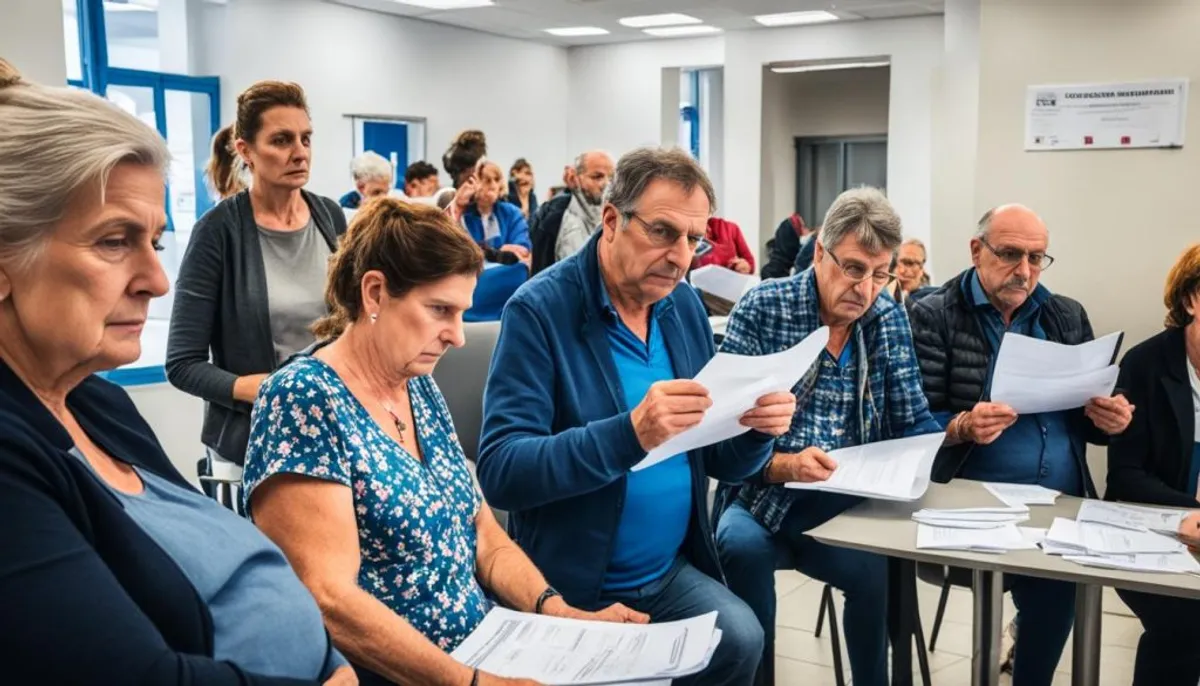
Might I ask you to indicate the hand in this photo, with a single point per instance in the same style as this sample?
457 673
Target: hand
245 388
1110 415
466 193
669 408
343 676
984 423
739 265
486 679
518 250
1189 530
808 465
615 613
772 414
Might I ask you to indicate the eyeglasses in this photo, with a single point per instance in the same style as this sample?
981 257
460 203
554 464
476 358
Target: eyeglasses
1012 256
664 235
857 272
910 264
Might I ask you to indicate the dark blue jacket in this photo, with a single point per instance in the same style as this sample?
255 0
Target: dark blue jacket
86 597
558 440
351 200
514 230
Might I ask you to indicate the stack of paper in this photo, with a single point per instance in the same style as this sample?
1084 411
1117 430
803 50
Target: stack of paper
1135 517
1102 545
972 517
888 470
722 282
1022 495
555 651
995 540
1034 376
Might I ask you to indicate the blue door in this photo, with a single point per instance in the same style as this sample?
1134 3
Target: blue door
389 139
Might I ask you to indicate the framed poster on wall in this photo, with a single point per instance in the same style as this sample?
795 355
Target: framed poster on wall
1149 114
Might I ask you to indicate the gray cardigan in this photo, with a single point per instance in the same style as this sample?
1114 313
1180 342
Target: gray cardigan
221 307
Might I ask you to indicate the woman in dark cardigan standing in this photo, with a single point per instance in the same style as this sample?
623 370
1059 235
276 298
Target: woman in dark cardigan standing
1157 461
252 280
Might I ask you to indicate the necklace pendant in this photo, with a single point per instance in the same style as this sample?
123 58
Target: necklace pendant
400 425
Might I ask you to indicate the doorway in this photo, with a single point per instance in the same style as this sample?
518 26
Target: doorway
825 167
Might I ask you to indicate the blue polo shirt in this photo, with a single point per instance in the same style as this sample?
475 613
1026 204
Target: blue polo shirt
1038 448
658 500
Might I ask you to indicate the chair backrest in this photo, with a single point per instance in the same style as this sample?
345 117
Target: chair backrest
462 375
496 285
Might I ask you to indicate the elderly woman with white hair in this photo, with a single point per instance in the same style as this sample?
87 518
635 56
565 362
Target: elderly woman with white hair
373 177
114 570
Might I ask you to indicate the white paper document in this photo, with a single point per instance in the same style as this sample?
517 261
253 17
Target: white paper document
997 540
1022 495
1033 535
1170 563
1138 518
1064 538
735 383
563 652
888 470
972 517
722 282
1111 540
1033 375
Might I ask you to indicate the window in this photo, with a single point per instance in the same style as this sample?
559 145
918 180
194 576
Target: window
689 111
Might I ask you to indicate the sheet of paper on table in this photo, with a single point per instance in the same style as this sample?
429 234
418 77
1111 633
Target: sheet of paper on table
1033 376
735 383
998 540
888 470
564 652
723 282
1111 540
1033 535
1138 518
1170 563
1022 495
972 517
1064 538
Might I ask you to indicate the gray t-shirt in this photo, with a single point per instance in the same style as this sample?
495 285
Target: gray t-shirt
264 619
296 263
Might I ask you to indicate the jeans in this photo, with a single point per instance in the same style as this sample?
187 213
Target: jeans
686 592
750 555
1045 614
1166 653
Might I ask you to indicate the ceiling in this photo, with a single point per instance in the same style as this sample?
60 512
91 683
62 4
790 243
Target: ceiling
526 19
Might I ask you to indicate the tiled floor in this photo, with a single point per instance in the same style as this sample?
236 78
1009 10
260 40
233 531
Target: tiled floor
801 659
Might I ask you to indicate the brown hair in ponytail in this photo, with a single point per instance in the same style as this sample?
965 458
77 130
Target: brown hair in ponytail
224 168
411 245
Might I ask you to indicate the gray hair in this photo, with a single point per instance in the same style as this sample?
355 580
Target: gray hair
69 136
985 222
371 166
582 158
639 167
866 214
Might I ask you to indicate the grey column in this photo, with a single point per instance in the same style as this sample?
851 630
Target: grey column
1085 651
988 592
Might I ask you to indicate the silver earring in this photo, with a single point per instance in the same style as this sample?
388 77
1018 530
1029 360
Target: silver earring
374 317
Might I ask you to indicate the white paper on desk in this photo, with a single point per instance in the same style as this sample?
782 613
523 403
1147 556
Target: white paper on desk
1033 375
1171 563
722 282
1111 540
735 383
1022 495
1033 535
1133 517
1064 538
558 651
888 470
998 540
991 523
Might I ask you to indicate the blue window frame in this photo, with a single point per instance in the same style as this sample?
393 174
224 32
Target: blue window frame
690 113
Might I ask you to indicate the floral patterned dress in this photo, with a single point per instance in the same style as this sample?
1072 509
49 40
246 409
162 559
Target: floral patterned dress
416 521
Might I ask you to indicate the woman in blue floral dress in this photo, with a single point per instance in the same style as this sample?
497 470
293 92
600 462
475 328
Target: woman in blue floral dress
355 471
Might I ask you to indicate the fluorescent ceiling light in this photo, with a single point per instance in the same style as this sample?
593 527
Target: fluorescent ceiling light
828 67
675 31
794 18
650 20
572 31
447 4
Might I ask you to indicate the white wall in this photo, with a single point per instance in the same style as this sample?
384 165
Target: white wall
353 61
31 38
844 102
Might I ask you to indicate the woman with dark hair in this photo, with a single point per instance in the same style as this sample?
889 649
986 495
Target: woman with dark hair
464 153
1157 461
250 283
520 187
355 471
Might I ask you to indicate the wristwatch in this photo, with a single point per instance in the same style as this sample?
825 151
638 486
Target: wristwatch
546 595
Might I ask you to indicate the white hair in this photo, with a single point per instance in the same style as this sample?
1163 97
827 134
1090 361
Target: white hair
371 166
55 142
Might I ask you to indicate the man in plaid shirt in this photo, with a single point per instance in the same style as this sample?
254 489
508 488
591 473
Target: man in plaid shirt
865 387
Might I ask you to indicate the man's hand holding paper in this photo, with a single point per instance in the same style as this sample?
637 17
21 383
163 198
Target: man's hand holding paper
807 466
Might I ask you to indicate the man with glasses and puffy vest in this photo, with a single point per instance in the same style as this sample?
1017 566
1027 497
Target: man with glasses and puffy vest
958 330
592 371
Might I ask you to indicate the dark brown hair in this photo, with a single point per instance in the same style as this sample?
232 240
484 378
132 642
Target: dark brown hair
521 164
412 245
222 169
462 155
1183 282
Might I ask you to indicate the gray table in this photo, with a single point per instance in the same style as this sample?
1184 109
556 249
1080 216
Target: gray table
887 528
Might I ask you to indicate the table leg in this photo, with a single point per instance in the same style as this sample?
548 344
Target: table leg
1085 651
988 595
902 603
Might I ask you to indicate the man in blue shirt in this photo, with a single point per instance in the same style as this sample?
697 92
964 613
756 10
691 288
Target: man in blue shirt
589 374
958 330
865 387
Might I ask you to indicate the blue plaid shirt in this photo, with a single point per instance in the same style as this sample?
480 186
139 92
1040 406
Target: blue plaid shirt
888 399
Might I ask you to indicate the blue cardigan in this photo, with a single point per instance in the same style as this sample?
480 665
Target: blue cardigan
86 597
558 440
514 230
